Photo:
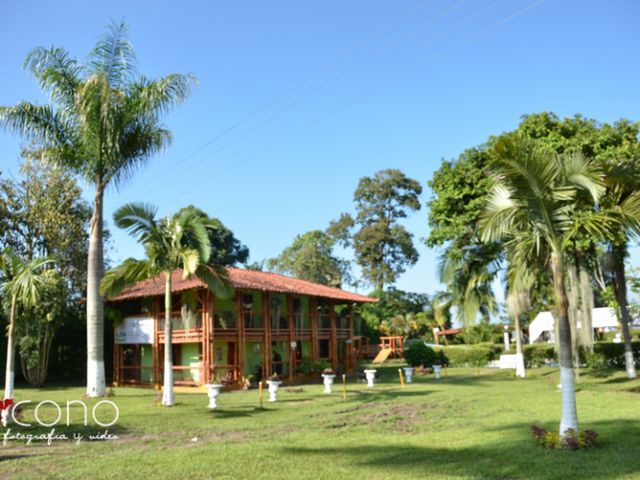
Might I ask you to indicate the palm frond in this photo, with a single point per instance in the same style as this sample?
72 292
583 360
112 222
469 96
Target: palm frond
217 280
113 55
138 219
56 72
124 275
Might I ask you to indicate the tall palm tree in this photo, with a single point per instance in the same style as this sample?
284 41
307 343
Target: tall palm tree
104 121
180 241
21 283
531 208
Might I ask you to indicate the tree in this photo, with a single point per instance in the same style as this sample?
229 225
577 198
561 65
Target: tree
530 209
178 242
310 257
103 123
383 247
393 304
226 249
467 265
616 148
21 285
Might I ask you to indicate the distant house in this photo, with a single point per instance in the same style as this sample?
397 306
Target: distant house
272 324
543 326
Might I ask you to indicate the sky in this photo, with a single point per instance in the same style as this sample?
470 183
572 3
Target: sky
298 100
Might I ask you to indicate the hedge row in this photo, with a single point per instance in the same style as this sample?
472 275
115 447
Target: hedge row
605 354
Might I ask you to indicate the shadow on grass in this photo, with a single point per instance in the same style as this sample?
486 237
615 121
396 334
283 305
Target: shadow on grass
517 456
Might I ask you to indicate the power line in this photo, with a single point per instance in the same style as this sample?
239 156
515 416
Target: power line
430 60
355 47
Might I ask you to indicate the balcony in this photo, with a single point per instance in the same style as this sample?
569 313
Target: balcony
184 328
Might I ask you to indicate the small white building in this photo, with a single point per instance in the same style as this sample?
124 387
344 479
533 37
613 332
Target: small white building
542 327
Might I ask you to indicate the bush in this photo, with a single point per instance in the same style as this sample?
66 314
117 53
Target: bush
463 356
571 441
613 353
418 354
538 354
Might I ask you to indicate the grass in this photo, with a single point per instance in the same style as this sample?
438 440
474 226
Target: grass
467 427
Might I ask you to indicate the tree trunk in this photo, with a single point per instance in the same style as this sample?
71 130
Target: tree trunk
11 354
36 372
520 371
587 303
571 284
167 389
619 253
95 304
569 418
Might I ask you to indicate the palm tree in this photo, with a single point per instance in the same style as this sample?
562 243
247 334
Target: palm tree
623 183
103 123
180 241
531 208
21 283
469 279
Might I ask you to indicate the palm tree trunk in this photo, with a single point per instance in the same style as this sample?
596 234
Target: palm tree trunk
569 418
167 389
11 354
520 371
619 253
587 302
95 304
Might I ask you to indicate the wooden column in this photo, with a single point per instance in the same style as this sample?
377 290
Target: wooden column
266 366
351 358
212 337
292 336
156 344
206 343
334 336
241 334
313 316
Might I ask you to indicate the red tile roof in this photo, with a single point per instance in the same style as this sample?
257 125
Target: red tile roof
242 279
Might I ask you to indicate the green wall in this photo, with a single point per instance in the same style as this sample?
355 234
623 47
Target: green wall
190 357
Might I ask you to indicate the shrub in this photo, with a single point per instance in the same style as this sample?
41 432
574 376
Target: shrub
306 366
463 356
418 354
613 353
538 354
571 441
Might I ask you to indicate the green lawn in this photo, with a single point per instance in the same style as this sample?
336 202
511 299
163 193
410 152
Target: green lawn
469 426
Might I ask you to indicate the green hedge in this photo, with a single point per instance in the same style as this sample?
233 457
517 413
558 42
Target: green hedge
613 353
466 356
608 354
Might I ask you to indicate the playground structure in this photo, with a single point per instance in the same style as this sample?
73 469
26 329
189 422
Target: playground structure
389 347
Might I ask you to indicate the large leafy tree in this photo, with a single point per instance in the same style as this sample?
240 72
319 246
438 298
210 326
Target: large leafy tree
46 217
311 257
21 283
226 249
531 208
180 241
103 122
467 266
616 147
383 247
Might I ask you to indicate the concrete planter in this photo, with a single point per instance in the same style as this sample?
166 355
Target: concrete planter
371 377
408 374
327 379
437 370
213 390
274 386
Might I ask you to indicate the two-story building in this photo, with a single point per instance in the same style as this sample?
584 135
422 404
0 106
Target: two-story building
273 323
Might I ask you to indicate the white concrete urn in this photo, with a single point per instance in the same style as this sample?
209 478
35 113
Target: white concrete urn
327 379
371 377
213 390
274 386
437 370
408 373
